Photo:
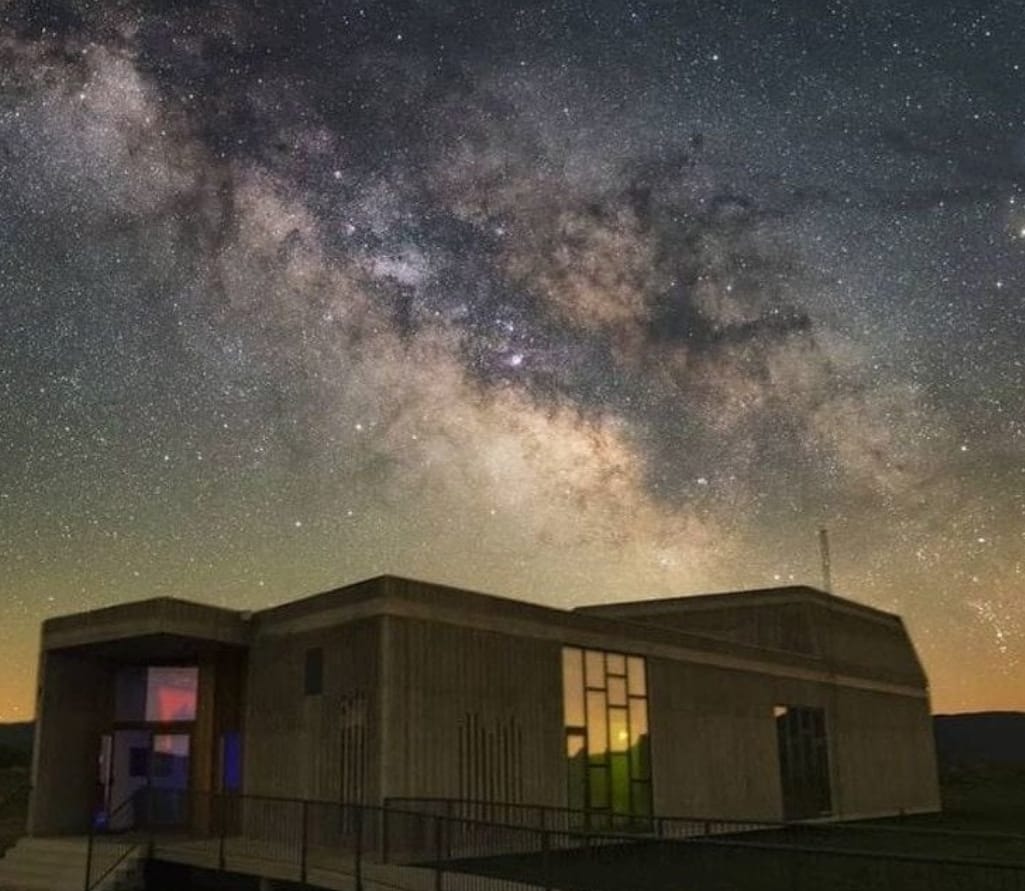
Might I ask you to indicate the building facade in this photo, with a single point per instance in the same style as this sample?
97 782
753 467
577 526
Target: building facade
763 705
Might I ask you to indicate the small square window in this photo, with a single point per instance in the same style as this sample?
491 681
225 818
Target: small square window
314 676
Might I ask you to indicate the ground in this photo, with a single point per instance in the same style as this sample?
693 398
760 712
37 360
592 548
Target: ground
979 799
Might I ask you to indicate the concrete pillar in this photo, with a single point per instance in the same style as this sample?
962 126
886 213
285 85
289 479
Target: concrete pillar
74 708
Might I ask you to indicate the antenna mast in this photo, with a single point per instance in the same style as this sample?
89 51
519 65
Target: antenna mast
827 572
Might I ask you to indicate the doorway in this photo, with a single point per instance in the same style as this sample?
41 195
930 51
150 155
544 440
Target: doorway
803 761
148 780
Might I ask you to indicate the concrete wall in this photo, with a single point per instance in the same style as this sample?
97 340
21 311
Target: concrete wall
714 747
74 708
713 742
885 758
293 743
473 713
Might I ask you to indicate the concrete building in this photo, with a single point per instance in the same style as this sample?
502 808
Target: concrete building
783 703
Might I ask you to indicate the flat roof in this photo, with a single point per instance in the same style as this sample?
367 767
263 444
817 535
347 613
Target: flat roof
739 599
626 626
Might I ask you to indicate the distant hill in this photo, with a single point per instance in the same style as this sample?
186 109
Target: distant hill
16 743
983 738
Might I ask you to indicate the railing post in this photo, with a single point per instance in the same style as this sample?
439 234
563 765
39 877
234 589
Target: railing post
359 847
304 842
546 859
437 853
221 803
384 831
449 810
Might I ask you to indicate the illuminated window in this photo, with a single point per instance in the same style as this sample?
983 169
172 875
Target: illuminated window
605 707
803 761
156 694
171 694
231 761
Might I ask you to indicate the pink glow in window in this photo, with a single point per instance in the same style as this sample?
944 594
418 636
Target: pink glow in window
171 694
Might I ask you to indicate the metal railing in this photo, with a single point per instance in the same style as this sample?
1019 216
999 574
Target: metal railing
847 835
107 847
466 845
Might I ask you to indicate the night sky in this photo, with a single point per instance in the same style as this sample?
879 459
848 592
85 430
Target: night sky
569 301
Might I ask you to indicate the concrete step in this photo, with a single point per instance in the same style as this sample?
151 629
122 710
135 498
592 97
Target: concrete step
58 864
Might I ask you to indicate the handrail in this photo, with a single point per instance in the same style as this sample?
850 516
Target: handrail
299 832
89 885
811 825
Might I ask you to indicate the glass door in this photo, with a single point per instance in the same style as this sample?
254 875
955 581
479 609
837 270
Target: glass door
148 779
169 779
128 777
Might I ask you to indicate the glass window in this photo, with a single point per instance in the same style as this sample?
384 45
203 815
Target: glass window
620 776
576 755
130 695
617 691
231 761
635 676
138 761
595 661
598 787
171 694
639 757
619 736
573 687
641 798
156 694
597 732
607 745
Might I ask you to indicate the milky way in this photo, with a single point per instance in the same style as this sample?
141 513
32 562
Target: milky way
566 301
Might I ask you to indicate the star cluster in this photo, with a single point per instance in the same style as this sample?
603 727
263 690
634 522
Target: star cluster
567 301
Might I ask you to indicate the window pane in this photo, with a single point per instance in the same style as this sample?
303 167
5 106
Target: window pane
597 736
573 687
635 676
640 762
595 660
171 694
619 737
138 761
615 663
604 695
176 744
130 695
598 787
231 761
576 746
617 691
620 775
642 798
576 755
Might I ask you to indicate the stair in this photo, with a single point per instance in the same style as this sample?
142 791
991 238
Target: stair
58 864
